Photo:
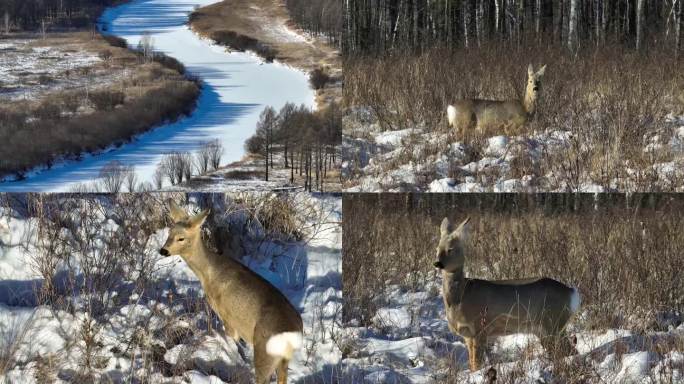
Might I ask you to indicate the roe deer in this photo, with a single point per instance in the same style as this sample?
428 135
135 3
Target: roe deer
479 309
497 115
249 306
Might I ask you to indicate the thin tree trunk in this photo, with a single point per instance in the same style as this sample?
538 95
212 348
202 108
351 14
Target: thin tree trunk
572 26
466 21
537 21
497 14
639 24
678 26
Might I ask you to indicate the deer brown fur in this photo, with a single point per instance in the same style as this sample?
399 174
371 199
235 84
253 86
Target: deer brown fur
479 309
249 306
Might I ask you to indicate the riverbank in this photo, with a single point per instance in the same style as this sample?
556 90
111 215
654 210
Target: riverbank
235 89
265 27
73 94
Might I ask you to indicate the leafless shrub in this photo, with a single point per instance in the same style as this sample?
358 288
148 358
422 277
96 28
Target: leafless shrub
215 149
106 100
177 166
113 175
319 78
202 159
13 333
146 47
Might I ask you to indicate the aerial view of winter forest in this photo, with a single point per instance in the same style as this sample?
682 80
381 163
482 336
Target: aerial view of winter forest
513 95
169 94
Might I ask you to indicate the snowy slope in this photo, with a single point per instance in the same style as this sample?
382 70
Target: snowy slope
410 342
237 86
157 327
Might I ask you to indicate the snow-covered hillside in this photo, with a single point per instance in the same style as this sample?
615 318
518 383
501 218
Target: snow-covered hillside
410 342
429 160
114 309
237 87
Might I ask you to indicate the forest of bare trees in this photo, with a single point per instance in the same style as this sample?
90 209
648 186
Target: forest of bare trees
304 141
37 14
320 17
377 26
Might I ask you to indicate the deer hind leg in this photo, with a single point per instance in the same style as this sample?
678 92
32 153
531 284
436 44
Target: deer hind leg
282 372
264 364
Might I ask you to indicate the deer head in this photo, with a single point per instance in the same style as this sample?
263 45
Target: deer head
533 88
450 255
186 232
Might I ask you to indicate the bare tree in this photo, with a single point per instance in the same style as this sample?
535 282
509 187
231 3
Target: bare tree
112 176
131 179
202 159
146 46
158 176
215 153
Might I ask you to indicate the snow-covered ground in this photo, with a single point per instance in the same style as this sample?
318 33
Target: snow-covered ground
410 342
156 325
29 68
426 160
237 86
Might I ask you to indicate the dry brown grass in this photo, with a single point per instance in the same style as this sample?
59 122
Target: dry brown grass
69 123
612 100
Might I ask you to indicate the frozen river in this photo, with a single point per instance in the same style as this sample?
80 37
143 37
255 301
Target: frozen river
237 86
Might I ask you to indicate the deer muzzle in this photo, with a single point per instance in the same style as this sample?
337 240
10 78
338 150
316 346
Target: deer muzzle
164 252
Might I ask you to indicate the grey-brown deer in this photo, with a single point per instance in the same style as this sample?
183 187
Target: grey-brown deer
249 306
506 116
479 309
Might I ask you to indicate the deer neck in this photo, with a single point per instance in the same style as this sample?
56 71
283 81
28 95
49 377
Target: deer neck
453 283
202 261
530 101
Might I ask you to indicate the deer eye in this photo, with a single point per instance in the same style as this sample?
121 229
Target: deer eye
181 239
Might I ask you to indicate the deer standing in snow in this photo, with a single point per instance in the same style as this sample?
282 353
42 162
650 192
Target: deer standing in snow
480 309
249 306
497 115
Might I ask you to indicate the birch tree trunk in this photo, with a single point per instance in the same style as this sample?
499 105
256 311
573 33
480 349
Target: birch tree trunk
497 14
639 24
537 22
678 25
572 27
466 22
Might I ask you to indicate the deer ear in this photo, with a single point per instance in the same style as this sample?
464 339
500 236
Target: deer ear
541 71
197 220
530 70
462 231
445 228
176 213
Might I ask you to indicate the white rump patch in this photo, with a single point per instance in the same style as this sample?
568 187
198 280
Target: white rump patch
575 301
451 115
284 344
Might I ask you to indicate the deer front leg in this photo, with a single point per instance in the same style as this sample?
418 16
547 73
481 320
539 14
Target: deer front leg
471 352
479 346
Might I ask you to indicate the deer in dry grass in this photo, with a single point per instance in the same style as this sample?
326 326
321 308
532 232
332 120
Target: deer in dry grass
479 309
497 115
248 305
